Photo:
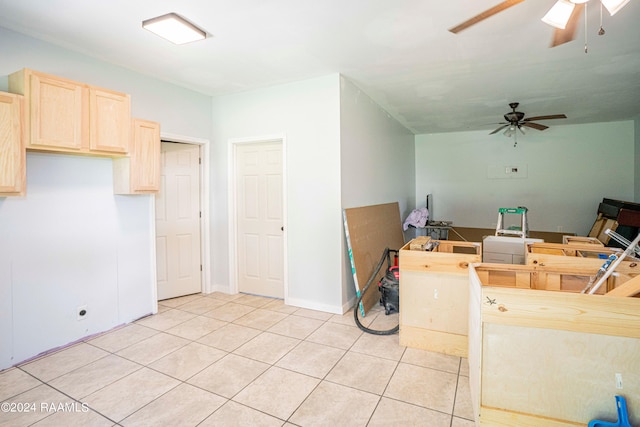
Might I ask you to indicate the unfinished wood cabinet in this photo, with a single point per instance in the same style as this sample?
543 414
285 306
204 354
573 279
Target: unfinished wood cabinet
53 111
543 356
140 172
434 294
590 257
12 149
62 115
109 121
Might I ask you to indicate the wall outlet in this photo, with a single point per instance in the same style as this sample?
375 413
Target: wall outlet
82 312
619 381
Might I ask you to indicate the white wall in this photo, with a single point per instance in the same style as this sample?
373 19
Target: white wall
70 241
307 114
636 192
569 169
377 163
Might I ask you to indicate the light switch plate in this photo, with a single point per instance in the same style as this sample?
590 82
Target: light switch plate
509 171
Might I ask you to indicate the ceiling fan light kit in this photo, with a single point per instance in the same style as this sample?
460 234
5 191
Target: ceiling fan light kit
563 16
613 6
514 121
558 16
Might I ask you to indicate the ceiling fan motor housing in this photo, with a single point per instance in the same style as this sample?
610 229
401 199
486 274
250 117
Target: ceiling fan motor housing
514 117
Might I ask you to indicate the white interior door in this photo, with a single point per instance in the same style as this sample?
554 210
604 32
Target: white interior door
178 222
259 210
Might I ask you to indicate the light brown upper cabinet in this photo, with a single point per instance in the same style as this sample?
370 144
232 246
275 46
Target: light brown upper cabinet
140 172
109 120
67 116
12 146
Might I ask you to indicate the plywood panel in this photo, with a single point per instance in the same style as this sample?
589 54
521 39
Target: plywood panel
371 229
475 339
439 342
570 376
435 301
562 310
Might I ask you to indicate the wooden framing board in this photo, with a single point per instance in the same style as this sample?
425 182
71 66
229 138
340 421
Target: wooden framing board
543 277
434 296
570 249
548 358
584 257
369 230
581 240
472 234
630 288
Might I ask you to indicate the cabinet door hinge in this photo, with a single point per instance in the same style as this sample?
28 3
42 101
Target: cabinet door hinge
200 267
199 160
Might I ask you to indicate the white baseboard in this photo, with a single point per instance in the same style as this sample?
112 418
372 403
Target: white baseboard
348 306
312 305
225 289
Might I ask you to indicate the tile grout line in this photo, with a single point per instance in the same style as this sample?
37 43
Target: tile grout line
65 394
288 315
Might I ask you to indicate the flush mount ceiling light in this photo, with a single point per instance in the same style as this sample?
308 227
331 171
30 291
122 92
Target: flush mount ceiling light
174 28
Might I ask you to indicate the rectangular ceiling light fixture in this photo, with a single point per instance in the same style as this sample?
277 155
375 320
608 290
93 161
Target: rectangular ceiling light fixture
174 28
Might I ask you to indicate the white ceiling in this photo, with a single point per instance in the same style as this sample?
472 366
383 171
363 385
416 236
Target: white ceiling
398 51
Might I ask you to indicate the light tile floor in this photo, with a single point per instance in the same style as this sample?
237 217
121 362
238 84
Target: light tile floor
239 360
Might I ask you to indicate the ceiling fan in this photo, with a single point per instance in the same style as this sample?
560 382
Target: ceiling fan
564 16
515 121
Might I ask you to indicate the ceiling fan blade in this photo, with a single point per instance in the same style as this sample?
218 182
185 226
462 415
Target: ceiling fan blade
499 129
568 34
535 125
484 15
549 117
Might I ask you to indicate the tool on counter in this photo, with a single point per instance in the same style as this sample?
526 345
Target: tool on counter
623 416
609 267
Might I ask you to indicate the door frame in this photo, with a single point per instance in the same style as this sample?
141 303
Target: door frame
205 235
232 200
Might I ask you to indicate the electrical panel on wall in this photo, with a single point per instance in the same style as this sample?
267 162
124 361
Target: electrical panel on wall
510 171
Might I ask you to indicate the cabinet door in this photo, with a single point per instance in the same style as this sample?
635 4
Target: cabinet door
109 121
12 150
55 113
139 172
145 157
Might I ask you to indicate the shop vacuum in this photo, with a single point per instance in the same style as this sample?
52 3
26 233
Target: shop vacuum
389 288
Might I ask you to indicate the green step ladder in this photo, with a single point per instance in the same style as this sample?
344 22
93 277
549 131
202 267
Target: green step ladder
522 231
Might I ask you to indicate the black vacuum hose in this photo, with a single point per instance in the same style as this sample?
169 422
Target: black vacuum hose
392 331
